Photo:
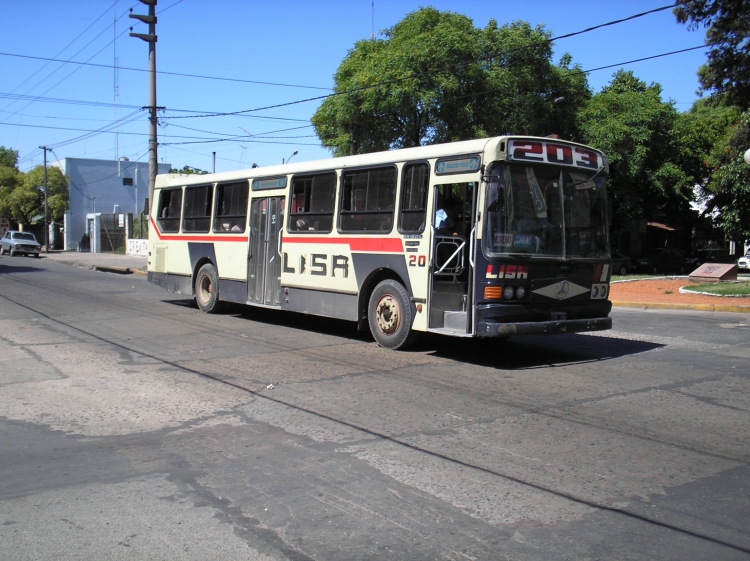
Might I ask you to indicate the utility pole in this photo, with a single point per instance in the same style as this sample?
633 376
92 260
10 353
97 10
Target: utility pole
150 38
46 220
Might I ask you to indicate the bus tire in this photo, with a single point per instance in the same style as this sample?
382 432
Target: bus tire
207 289
390 316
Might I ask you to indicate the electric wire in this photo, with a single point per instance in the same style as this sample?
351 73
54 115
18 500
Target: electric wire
38 70
167 73
428 72
74 71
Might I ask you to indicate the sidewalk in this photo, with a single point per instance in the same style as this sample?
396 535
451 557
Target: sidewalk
106 262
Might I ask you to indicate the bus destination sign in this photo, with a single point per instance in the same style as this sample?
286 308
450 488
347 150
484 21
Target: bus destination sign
462 165
553 153
276 183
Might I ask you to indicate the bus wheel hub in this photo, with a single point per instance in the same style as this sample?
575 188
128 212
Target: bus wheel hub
386 314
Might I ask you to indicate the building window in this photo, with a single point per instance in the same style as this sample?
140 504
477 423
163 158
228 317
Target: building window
197 214
127 181
170 205
231 207
367 200
312 203
414 198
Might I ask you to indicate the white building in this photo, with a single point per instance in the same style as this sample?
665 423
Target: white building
102 186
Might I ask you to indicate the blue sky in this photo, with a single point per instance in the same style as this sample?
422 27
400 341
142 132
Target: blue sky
292 42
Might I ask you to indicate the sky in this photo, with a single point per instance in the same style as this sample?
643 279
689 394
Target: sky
267 53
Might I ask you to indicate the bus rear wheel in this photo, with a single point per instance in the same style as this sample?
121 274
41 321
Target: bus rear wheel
390 315
207 289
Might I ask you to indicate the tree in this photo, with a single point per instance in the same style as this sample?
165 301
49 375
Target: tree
22 198
727 24
187 170
729 184
631 124
8 157
437 78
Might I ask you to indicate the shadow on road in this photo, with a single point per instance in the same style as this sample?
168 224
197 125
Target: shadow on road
518 353
515 353
12 267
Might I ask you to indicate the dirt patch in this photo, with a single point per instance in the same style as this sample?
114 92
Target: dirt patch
667 291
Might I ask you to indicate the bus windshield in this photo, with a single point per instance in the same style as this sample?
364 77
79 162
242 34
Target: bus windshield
545 211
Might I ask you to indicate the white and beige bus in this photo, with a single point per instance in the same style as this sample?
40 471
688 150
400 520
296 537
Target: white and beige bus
482 238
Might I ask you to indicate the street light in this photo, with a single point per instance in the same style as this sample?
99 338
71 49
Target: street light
289 158
747 157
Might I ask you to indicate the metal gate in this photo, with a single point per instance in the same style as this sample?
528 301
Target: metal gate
113 229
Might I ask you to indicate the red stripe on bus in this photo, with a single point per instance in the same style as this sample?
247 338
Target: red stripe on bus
191 238
386 245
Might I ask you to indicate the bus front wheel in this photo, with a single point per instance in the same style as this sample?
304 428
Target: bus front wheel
390 315
207 289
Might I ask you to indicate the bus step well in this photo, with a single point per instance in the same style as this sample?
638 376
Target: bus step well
454 321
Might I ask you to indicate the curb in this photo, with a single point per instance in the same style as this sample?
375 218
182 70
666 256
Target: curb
112 269
697 307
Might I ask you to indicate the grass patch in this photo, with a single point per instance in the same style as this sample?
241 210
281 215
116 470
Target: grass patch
741 288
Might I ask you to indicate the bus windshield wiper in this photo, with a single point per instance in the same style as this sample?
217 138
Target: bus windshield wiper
587 179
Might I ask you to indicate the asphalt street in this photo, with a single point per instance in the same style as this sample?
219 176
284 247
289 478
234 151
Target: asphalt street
132 426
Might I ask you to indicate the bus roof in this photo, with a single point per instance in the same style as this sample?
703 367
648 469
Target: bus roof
374 158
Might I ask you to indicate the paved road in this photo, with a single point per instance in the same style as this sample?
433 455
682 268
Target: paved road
134 427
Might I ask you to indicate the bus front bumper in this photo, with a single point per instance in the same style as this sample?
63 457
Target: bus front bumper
497 329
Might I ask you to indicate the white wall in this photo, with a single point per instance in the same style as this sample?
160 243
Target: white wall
102 180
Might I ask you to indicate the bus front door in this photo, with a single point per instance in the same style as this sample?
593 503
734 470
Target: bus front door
264 255
452 263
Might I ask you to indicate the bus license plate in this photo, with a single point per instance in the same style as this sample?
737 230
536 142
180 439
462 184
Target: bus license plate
558 316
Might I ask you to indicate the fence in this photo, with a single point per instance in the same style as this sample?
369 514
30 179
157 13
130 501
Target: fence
113 232
140 227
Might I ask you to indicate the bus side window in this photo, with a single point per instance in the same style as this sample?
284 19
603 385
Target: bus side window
311 209
170 205
197 216
231 207
367 200
414 198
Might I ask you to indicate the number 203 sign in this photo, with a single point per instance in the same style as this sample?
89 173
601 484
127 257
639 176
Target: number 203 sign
553 153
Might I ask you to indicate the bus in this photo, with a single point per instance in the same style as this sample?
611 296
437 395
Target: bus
494 237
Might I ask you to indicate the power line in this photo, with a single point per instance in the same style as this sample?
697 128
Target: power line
166 73
574 71
233 139
428 72
71 73
109 105
63 49
244 138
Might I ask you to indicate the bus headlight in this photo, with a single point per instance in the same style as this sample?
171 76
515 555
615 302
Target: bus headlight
595 291
508 292
520 292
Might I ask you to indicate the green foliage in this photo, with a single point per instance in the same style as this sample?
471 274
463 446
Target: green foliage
727 24
10 178
187 170
701 134
729 185
22 195
633 126
437 78
8 157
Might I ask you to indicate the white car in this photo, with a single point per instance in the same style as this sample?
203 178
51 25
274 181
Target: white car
16 243
743 263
